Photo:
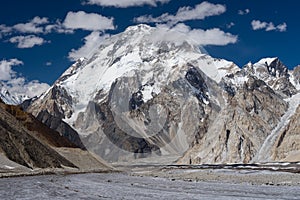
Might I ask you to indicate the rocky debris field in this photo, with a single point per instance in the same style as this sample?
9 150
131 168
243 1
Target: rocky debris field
169 184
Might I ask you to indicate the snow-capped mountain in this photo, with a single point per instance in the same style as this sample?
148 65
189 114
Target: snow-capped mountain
9 98
273 72
142 95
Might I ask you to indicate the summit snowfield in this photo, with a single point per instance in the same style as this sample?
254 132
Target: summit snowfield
143 95
137 50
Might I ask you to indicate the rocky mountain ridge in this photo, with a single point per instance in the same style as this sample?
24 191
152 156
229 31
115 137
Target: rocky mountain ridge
139 96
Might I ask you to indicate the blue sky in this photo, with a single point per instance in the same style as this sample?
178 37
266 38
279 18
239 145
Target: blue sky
39 40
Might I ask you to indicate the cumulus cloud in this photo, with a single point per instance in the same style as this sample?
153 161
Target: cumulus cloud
17 85
268 26
200 11
244 12
124 3
91 42
42 25
88 21
6 72
37 25
33 26
199 37
27 41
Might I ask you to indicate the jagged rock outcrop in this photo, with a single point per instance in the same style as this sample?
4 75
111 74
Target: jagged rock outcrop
139 96
274 73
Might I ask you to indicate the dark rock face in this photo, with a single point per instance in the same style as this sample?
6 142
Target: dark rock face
198 83
277 68
136 100
25 104
61 127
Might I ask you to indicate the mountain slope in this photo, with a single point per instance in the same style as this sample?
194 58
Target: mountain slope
20 146
26 141
140 96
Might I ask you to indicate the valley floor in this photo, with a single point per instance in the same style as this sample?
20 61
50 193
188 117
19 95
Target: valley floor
156 183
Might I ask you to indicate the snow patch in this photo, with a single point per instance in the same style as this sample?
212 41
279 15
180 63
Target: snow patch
267 61
9 167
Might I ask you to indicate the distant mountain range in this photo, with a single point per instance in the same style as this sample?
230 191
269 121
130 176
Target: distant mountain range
142 96
12 99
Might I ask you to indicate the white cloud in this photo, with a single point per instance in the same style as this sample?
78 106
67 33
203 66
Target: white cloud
35 88
39 20
199 37
200 11
87 21
244 12
91 42
256 25
281 27
4 30
31 89
34 26
268 26
42 25
57 27
27 41
48 63
37 25
125 3
17 85
231 24
6 72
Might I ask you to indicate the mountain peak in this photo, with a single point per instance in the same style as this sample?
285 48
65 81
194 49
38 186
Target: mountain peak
139 27
138 53
267 61
273 72
273 66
